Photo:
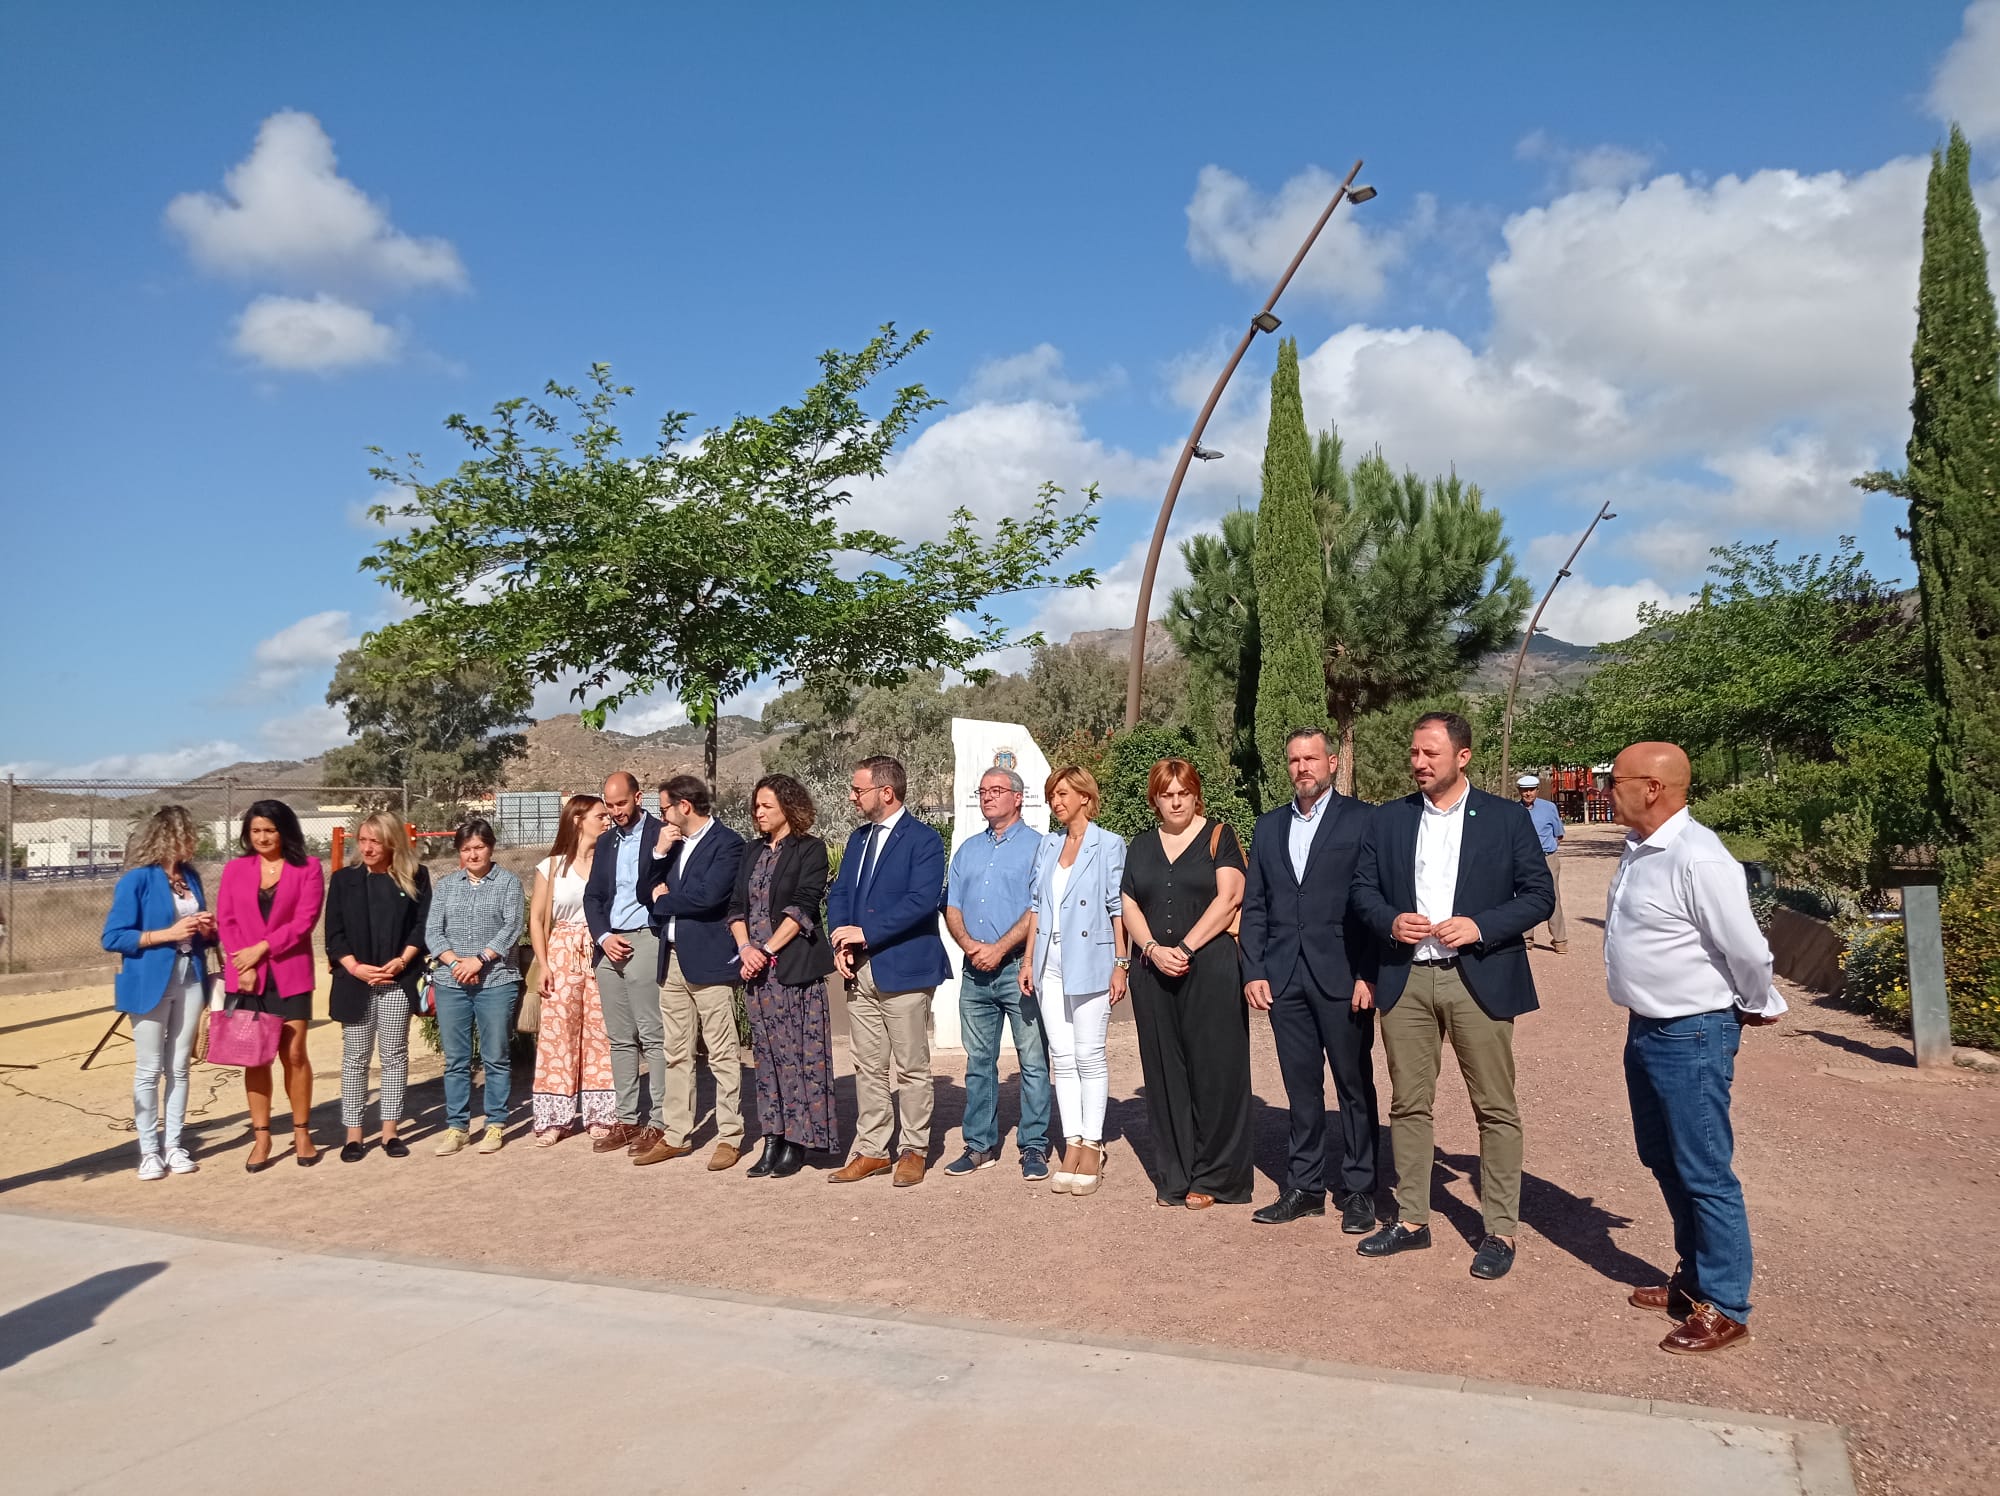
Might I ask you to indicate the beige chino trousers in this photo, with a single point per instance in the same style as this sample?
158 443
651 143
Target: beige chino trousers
890 1032
685 1008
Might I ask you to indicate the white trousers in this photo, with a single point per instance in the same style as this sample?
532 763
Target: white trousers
1075 1025
164 1039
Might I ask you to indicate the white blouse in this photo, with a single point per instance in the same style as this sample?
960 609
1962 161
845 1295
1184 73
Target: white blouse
565 892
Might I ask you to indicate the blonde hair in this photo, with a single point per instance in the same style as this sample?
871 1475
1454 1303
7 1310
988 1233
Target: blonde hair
402 856
166 838
1079 779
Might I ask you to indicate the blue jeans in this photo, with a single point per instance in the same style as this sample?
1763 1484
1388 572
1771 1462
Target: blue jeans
1678 1073
491 1006
984 999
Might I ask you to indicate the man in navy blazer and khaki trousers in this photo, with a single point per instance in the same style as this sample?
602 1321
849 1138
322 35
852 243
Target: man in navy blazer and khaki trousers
1451 881
882 912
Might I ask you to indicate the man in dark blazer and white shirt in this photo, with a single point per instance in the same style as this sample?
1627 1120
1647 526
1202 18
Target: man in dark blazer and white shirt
1450 882
625 952
1310 962
695 861
882 914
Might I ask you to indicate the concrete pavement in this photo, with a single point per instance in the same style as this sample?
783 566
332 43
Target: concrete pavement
132 1360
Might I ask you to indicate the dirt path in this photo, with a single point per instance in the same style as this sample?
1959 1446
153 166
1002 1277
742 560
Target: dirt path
1871 1193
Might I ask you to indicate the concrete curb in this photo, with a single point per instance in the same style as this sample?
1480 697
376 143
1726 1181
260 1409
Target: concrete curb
1820 1448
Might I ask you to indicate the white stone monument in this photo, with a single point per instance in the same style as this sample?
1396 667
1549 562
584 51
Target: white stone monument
981 746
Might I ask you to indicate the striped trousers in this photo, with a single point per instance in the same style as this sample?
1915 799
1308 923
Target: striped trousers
387 1026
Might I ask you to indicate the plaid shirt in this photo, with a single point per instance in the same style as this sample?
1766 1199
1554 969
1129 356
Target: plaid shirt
469 918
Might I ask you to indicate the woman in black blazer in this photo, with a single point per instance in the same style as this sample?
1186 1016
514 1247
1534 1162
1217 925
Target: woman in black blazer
375 912
778 920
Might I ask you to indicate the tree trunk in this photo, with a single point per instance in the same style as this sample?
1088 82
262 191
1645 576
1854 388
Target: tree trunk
1343 776
708 752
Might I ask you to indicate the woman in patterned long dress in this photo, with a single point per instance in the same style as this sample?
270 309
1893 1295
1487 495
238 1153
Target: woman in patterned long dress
572 1051
779 925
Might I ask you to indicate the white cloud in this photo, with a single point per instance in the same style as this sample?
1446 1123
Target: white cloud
1037 374
1966 86
1253 237
312 337
315 641
287 214
1583 612
1113 601
1601 166
303 733
170 765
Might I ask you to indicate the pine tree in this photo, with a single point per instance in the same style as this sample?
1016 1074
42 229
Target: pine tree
1291 687
1952 485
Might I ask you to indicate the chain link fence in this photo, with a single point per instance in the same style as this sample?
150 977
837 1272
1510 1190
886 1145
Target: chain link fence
62 846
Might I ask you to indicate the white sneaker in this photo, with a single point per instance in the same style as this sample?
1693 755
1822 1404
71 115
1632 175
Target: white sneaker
180 1161
150 1167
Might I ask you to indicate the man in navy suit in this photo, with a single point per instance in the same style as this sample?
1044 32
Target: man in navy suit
1450 881
694 870
623 949
1310 962
883 914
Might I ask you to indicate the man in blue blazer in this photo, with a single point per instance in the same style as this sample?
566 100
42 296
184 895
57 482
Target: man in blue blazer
625 952
1450 881
1310 962
694 870
883 914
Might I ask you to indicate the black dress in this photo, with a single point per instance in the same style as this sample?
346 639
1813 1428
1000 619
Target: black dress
290 1006
1194 1030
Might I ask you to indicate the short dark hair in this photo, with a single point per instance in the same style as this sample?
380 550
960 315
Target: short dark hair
291 836
885 772
691 788
792 800
1310 732
476 828
1455 727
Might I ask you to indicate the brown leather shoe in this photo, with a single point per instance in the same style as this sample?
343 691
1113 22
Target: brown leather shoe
1707 1329
909 1169
643 1138
858 1167
1670 1298
1560 947
724 1157
660 1150
617 1135
1196 1200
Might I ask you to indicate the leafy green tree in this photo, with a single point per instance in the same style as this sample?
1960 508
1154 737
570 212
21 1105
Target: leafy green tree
1213 622
1122 779
447 735
1079 690
554 552
910 720
1952 484
1290 584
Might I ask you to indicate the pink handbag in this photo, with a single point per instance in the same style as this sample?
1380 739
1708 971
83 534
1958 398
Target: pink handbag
243 1037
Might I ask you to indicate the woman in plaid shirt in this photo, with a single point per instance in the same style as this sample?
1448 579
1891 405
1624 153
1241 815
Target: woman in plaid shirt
476 917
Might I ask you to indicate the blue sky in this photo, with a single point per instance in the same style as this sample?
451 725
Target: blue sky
1665 256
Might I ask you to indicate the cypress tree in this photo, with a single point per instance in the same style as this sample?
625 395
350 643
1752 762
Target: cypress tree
1291 683
1952 484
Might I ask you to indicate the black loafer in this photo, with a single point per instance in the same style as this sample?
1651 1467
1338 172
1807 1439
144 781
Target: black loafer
1357 1214
1291 1206
1392 1239
774 1148
790 1160
396 1148
1492 1259
353 1153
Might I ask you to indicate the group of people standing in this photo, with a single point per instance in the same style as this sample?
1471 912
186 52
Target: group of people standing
1410 916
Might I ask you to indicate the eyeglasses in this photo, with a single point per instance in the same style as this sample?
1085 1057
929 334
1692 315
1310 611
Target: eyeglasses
996 789
1633 779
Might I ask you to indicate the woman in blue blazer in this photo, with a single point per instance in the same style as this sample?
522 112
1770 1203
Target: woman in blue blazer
159 922
1076 967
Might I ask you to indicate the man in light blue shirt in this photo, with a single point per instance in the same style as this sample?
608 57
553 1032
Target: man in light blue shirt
1548 824
986 913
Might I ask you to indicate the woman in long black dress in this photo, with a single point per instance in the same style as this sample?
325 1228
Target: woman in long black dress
1183 886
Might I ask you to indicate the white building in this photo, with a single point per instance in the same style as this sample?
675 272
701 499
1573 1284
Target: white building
74 841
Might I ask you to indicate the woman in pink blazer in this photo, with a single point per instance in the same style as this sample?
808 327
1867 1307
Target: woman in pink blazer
265 909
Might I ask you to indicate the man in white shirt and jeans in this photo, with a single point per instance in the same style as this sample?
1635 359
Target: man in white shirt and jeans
1683 953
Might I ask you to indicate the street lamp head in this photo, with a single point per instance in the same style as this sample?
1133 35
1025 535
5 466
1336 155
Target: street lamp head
1266 322
1204 454
1609 515
1360 194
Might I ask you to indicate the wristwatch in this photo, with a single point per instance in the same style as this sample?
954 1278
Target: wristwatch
1123 963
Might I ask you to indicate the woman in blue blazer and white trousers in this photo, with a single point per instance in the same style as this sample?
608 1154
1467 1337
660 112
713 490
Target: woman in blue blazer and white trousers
160 923
1076 967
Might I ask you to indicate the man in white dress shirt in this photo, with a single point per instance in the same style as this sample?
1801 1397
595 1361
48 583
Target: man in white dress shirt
1682 952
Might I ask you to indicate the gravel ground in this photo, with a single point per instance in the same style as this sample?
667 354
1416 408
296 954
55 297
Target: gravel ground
1871 1193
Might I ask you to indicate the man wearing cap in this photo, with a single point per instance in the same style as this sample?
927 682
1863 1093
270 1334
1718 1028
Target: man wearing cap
1549 827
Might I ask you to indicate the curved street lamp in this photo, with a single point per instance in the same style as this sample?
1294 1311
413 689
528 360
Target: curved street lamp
1264 321
1521 656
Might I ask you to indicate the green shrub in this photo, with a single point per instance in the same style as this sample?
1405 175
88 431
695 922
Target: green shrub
1877 964
1122 777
